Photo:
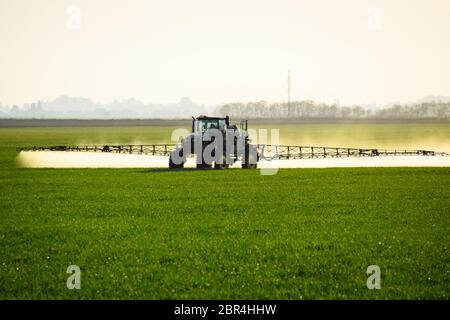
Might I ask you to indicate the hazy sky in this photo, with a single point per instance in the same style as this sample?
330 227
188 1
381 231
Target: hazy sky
357 51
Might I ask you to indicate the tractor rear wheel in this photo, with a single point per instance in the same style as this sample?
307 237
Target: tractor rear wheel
249 162
223 165
172 164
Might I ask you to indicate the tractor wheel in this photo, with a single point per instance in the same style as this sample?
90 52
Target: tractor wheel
204 165
250 162
223 165
220 166
173 165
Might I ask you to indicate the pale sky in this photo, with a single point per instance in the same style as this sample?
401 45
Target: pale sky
357 51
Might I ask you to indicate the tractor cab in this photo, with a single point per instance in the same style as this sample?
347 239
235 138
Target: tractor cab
203 123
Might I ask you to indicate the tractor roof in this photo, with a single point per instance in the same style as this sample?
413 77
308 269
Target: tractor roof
213 118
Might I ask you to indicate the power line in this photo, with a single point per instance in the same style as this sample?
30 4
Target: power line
289 93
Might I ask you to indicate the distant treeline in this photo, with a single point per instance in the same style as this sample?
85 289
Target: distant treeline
310 110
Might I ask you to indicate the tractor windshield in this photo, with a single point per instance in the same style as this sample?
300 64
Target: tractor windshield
205 124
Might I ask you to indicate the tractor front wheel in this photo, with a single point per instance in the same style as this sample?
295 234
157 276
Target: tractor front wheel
204 166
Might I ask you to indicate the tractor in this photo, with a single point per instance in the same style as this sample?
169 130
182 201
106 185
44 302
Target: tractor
215 143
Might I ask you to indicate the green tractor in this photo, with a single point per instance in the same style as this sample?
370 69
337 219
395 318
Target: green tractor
216 143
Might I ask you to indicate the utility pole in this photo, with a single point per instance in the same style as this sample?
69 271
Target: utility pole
289 93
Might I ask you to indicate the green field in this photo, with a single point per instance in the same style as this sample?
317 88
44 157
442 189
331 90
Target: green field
158 234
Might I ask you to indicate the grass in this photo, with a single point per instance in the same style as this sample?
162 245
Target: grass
157 234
